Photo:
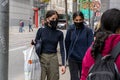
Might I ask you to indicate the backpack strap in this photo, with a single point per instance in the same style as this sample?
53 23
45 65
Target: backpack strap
74 42
87 32
115 51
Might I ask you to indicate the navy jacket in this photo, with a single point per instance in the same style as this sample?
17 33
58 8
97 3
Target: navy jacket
77 42
50 39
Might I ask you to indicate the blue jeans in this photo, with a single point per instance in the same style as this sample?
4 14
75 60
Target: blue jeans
30 28
20 29
75 68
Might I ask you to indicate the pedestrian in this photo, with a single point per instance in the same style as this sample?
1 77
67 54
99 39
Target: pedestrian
21 24
30 24
50 37
106 38
96 29
78 38
42 25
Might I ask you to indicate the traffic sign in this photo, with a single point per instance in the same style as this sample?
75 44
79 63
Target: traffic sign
98 13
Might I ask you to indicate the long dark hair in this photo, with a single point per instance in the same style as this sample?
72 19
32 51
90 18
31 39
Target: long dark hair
110 22
78 13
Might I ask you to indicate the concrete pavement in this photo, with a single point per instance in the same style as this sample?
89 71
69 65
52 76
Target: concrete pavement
14 33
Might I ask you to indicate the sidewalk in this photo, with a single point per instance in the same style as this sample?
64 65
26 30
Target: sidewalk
15 29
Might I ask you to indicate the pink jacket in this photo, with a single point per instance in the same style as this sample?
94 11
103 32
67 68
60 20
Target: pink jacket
88 60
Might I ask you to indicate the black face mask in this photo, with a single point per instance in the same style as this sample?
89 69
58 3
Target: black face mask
54 24
78 24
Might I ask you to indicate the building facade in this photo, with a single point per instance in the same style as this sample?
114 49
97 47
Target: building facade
59 5
107 4
23 9
20 10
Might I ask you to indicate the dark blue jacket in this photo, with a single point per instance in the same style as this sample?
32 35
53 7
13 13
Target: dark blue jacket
50 39
77 42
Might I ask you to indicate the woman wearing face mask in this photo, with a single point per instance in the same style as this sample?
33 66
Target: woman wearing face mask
50 37
78 39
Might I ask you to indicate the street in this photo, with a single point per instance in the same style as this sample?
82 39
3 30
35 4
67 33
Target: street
17 43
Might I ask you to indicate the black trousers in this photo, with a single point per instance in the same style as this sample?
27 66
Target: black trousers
75 68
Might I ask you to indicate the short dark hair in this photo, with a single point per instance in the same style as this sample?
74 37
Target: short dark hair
78 13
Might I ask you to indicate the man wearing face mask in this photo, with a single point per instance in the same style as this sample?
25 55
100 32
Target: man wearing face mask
78 39
50 37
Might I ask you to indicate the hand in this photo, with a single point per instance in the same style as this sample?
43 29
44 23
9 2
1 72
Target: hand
63 69
32 42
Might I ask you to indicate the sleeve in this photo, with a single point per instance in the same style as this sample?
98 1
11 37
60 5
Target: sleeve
67 42
38 35
62 49
90 37
87 62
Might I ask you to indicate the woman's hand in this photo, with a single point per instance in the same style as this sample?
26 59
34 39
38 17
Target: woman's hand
63 69
32 42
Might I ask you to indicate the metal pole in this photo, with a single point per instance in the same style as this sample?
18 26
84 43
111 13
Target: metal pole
66 12
4 37
89 14
31 11
50 4
74 6
92 21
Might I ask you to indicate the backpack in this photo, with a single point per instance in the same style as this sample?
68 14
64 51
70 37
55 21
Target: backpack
104 67
21 23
